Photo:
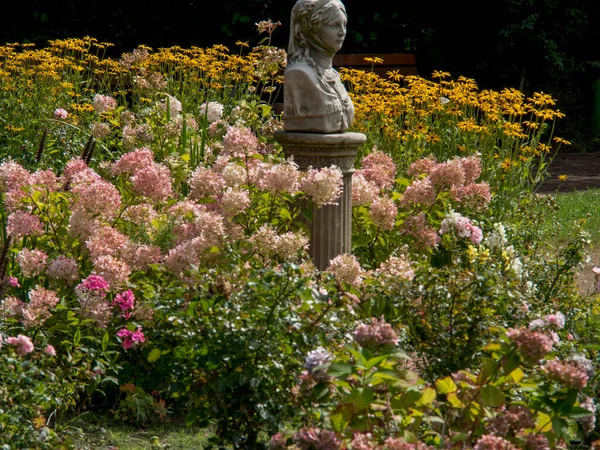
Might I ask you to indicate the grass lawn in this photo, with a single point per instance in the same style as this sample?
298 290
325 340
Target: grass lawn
97 432
572 207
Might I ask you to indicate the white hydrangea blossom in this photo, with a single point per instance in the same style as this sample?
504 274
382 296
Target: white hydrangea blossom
496 239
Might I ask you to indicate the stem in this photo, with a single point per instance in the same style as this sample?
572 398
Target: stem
41 146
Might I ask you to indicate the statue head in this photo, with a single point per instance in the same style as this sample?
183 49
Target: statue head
316 25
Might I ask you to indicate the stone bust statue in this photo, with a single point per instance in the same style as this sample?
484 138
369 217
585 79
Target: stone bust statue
315 100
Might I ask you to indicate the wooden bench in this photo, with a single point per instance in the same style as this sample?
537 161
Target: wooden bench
403 63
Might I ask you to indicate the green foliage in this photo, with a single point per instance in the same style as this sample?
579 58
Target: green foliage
374 397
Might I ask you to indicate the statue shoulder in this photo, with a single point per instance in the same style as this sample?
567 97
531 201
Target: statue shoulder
301 71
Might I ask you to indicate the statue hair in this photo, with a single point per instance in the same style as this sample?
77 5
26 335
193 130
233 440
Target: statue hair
307 17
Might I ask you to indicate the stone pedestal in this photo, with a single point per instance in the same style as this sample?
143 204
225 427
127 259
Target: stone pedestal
331 227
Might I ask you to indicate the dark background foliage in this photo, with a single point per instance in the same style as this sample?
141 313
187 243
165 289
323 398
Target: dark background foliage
532 45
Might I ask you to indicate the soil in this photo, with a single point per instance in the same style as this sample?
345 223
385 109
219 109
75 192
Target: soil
582 171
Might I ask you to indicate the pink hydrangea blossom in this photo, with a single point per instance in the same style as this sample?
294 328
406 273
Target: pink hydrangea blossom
588 423
41 301
12 176
422 166
346 269
363 191
383 212
50 350
140 256
537 441
472 167
267 242
205 183
316 438
45 180
233 174
95 195
73 167
174 106
379 169
569 374
212 110
106 240
234 201
491 442
13 307
401 444
424 235
21 223
323 186
32 262
60 114
104 103
239 141
81 224
114 270
363 442
143 213
396 268
133 161
420 192
377 335
476 195
532 344
448 174
23 343
99 130
280 178
153 181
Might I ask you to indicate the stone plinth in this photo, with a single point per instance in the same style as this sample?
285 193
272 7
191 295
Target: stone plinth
331 227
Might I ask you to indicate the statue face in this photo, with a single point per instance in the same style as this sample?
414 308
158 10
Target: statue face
333 32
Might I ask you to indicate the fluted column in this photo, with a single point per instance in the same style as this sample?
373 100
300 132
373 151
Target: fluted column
331 227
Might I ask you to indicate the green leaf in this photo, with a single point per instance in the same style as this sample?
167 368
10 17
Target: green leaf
374 361
445 385
577 412
154 355
77 337
358 356
362 398
565 406
560 426
428 395
382 375
492 396
105 339
341 418
339 370
543 422
511 362
454 400
489 366
410 437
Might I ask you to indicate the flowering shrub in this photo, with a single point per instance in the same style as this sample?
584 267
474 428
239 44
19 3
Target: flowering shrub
155 236
370 398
